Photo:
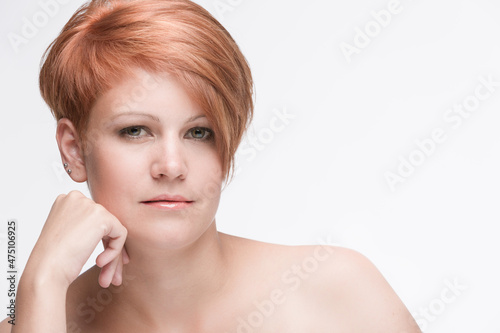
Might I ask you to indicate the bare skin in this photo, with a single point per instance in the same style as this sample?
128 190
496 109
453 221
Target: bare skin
273 289
269 288
167 270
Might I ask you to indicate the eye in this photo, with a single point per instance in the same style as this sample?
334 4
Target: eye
134 132
201 133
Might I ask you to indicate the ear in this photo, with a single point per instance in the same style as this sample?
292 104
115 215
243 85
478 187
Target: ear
70 147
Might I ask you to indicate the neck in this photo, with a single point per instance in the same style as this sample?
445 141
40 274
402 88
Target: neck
175 286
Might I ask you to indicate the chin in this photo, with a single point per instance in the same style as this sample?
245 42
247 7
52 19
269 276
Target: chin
171 234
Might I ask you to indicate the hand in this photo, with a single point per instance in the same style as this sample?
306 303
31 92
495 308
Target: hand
74 227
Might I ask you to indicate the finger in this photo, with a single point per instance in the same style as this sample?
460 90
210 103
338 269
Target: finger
104 279
125 257
117 277
105 242
110 253
113 239
100 260
107 273
103 259
116 230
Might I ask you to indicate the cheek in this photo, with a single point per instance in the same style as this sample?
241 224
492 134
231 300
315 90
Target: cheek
110 172
209 167
210 180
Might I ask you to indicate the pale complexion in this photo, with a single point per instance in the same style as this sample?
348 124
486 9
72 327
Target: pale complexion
179 273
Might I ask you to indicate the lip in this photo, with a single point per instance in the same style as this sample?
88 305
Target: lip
168 202
168 197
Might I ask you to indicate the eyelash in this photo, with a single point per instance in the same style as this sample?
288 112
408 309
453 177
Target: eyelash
207 137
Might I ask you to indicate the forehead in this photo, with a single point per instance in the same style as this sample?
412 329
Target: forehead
160 94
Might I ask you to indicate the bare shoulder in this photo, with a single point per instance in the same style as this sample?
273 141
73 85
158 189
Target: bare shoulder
79 315
343 286
5 326
351 286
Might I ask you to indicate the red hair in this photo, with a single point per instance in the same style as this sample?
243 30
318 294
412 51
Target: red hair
107 40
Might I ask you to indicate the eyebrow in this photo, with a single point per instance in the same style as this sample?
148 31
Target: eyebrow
193 118
133 113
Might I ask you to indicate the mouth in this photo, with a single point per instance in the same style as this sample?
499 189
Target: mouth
168 202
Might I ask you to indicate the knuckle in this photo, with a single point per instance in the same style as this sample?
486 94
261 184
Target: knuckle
100 211
104 227
99 208
60 197
74 194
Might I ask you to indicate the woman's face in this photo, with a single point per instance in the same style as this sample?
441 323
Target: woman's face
148 141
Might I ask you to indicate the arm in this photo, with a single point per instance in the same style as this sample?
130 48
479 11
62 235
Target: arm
5 327
73 229
40 303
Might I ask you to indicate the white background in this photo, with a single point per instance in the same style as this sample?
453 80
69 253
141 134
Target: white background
321 176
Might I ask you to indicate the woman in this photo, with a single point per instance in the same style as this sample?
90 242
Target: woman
152 99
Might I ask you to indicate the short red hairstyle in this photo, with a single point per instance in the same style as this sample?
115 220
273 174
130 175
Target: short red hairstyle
107 40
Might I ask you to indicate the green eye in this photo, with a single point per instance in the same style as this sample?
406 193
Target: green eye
201 133
133 131
198 133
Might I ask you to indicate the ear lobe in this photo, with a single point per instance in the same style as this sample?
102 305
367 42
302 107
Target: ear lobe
70 147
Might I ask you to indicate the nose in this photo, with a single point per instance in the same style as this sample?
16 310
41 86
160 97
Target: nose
169 160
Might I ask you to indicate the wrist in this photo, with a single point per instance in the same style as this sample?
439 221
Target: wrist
44 275
40 302
40 285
